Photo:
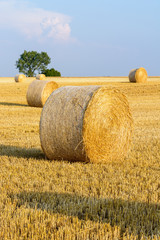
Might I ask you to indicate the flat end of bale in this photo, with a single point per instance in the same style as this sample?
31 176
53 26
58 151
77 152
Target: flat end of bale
107 126
141 75
49 87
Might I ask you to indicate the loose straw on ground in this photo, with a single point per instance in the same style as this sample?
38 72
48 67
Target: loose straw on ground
138 75
20 78
86 123
40 77
39 91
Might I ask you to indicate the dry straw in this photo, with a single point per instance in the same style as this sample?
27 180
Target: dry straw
20 78
138 75
86 123
40 77
39 91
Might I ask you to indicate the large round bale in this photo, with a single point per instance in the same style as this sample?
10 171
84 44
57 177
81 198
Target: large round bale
40 77
20 78
138 75
86 123
39 91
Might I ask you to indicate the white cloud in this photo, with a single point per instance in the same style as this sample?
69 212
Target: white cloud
34 22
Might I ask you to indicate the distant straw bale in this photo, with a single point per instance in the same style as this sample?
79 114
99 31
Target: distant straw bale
138 75
39 91
86 123
20 78
40 77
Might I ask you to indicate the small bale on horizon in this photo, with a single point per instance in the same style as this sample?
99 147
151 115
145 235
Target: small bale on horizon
39 91
20 78
40 77
87 124
138 75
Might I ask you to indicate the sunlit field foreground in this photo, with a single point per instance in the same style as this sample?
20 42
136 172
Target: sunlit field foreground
41 199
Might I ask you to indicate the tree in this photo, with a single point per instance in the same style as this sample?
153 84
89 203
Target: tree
30 62
51 72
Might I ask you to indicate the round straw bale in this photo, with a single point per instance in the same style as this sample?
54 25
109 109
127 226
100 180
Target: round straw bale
40 77
20 78
39 91
138 75
86 123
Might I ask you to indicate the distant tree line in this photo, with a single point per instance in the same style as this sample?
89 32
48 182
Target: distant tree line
32 62
51 72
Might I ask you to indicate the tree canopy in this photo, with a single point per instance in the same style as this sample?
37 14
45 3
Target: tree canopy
31 62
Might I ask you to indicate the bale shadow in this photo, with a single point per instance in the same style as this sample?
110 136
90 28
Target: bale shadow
138 217
21 152
13 104
36 153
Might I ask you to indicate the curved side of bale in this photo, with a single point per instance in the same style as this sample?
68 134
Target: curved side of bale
138 75
40 77
39 91
20 78
86 123
131 75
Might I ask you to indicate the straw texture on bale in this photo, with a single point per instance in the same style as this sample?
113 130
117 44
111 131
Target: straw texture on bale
40 77
20 78
138 75
86 123
39 91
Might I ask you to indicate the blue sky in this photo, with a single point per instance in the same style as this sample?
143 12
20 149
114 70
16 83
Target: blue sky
83 38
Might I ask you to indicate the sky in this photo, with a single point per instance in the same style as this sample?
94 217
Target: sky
82 37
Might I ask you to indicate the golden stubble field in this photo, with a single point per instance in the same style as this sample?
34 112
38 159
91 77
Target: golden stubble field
41 199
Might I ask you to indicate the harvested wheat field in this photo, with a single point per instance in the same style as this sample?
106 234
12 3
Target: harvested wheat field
77 81
44 199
